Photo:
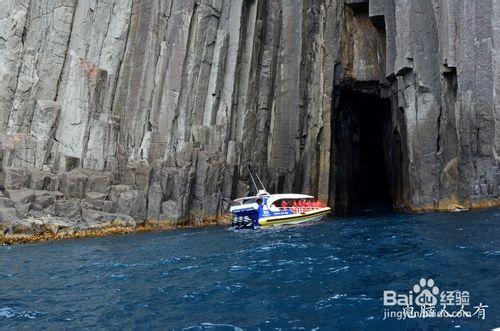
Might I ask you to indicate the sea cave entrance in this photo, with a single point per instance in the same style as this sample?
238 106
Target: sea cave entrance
367 157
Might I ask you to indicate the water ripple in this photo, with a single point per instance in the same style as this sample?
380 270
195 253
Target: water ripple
213 326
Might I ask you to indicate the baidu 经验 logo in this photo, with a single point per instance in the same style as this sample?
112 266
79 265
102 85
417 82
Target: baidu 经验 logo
426 300
426 291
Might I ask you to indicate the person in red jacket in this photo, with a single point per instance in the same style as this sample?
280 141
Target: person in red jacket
284 204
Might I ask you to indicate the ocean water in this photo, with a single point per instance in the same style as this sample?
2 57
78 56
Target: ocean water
326 276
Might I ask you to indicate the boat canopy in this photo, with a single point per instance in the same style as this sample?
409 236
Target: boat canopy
287 196
251 199
271 198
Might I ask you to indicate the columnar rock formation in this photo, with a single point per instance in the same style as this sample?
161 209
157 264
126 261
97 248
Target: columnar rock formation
153 108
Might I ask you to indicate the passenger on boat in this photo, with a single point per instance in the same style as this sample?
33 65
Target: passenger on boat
284 204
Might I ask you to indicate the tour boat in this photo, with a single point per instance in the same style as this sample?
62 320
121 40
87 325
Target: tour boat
264 209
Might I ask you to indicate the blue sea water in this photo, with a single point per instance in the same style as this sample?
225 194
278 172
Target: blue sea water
325 276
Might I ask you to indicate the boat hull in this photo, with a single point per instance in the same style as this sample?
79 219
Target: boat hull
311 216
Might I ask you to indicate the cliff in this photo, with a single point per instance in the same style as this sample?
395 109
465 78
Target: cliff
151 109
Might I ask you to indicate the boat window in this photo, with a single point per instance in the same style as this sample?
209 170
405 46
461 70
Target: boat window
290 202
283 202
249 200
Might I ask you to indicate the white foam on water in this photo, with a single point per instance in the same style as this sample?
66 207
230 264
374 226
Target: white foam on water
9 312
213 326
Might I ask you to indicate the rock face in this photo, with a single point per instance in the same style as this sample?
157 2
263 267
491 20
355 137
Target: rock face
153 108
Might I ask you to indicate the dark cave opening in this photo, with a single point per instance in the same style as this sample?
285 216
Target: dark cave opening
367 154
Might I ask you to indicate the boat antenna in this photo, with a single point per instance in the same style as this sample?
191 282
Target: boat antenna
252 173
253 180
261 185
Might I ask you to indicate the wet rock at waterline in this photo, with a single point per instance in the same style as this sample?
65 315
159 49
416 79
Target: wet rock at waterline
152 109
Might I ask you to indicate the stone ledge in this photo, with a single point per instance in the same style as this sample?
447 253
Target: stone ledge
456 207
48 229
